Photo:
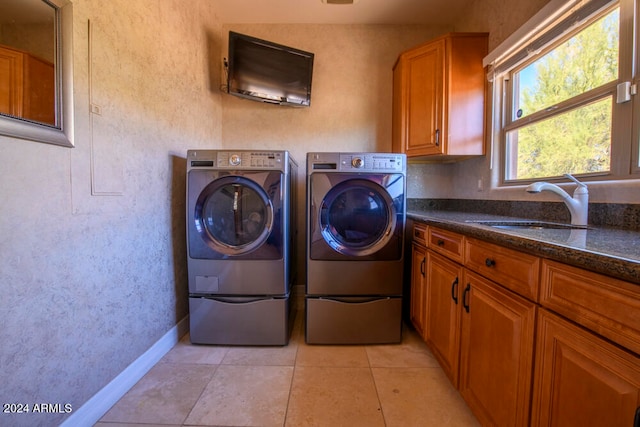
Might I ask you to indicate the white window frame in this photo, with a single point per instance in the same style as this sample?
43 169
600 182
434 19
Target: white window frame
556 22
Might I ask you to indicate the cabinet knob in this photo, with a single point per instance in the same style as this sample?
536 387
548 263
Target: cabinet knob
440 242
489 262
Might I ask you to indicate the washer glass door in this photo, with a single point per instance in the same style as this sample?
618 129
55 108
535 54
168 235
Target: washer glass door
234 215
357 217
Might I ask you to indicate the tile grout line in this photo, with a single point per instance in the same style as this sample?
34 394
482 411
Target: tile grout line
375 385
195 402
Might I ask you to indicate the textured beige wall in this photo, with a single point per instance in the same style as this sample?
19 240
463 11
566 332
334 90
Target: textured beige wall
93 258
497 17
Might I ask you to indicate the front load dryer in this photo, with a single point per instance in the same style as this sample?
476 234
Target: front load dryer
356 212
240 244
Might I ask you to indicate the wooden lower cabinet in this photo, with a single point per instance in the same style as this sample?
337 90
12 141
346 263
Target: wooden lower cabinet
478 308
496 352
442 312
418 285
581 379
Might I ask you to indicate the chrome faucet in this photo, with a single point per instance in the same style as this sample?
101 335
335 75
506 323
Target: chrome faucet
578 204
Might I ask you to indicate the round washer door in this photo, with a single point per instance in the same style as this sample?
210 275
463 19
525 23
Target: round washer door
233 215
357 217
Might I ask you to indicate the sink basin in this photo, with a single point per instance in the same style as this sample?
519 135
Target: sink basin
527 225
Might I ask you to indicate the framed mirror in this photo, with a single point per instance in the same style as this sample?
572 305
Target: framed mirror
36 70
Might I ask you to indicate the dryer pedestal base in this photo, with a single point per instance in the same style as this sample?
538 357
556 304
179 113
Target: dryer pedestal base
239 320
354 320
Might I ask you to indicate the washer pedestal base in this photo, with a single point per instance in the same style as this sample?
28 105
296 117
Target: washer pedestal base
354 320
239 320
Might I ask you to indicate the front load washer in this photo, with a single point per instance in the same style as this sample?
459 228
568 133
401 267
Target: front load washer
356 212
240 244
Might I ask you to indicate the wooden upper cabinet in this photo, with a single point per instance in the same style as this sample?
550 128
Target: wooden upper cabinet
11 85
439 97
421 80
39 90
27 86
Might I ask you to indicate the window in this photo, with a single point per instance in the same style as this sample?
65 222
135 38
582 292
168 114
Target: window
563 103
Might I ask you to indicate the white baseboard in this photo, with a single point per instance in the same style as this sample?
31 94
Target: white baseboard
94 408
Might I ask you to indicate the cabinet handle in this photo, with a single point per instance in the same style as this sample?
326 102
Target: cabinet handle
489 262
422 266
416 233
437 137
440 242
454 291
465 303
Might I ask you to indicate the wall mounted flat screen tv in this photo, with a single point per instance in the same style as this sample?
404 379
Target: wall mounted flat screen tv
268 72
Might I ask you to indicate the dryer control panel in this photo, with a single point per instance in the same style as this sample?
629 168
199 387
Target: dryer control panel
357 162
238 159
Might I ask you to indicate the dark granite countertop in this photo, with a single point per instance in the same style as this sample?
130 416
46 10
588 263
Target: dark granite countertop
611 251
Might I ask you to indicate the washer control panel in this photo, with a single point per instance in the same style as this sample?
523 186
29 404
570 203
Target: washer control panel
251 159
371 162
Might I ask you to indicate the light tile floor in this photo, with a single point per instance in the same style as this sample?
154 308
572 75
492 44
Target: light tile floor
294 386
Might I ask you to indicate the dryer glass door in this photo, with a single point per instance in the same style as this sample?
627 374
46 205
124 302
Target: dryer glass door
357 217
234 215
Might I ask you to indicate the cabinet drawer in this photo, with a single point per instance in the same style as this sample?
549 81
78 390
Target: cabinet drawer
420 233
607 306
512 269
447 243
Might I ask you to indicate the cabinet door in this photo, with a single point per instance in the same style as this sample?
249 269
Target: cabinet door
581 379
418 282
11 82
442 320
39 91
496 355
425 95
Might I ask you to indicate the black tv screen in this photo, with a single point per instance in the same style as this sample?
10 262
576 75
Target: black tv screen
268 72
